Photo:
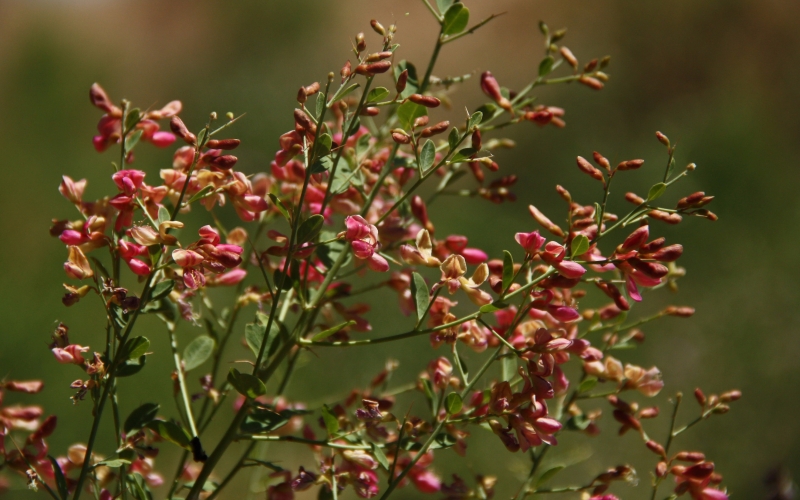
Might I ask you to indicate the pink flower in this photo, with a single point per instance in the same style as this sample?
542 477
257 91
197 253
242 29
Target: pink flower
531 242
128 181
70 354
363 238
554 254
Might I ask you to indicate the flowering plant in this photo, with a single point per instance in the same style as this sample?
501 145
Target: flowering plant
342 203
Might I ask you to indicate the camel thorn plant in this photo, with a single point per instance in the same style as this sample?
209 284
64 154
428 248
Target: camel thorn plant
343 203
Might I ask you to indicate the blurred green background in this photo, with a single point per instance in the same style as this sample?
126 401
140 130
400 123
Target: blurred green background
719 77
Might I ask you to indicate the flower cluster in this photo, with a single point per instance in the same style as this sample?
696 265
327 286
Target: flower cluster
340 214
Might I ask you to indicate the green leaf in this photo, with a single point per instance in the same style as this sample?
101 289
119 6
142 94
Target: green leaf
412 84
246 384
331 422
377 94
453 138
656 191
422 297
444 5
132 140
197 352
112 462
443 440
131 367
546 66
310 228
320 104
343 92
162 289
171 432
281 207
508 269
136 347
474 120
362 144
580 245
427 155
132 118
456 19
61 482
578 423
141 416
264 420
321 165
463 155
492 307
324 145
453 403
587 384
163 214
549 474
509 368
254 334
408 112
430 395
201 137
380 456
329 253
330 331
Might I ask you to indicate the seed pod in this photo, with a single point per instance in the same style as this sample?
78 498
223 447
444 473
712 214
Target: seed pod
691 200
425 100
379 56
226 144
630 165
668 254
569 56
651 269
179 128
302 97
378 27
592 83
373 68
301 120
602 161
421 121
370 111
402 79
361 43
435 129
589 169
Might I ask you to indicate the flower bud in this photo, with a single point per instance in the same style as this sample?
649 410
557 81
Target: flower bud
689 456
226 144
378 27
370 111
590 66
679 312
302 97
564 193
602 161
345 71
373 68
545 222
424 100
179 128
592 83
668 254
435 129
661 469
663 139
379 56
422 121
402 79
630 165
361 43
569 56
656 448
589 169
224 162
667 217
634 198
727 397
400 137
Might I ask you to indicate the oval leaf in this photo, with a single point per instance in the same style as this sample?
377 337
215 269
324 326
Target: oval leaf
453 403
422 296
427 155
197 352
330 331
331 422
408 112
377 94
508 269
171 432
136 347
455 19
61 482
656 191
580 245
140 417
246 384
310 228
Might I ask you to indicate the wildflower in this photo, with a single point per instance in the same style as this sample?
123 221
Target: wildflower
453 270
363 238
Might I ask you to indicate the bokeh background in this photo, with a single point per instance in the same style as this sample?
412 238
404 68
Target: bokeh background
719 77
